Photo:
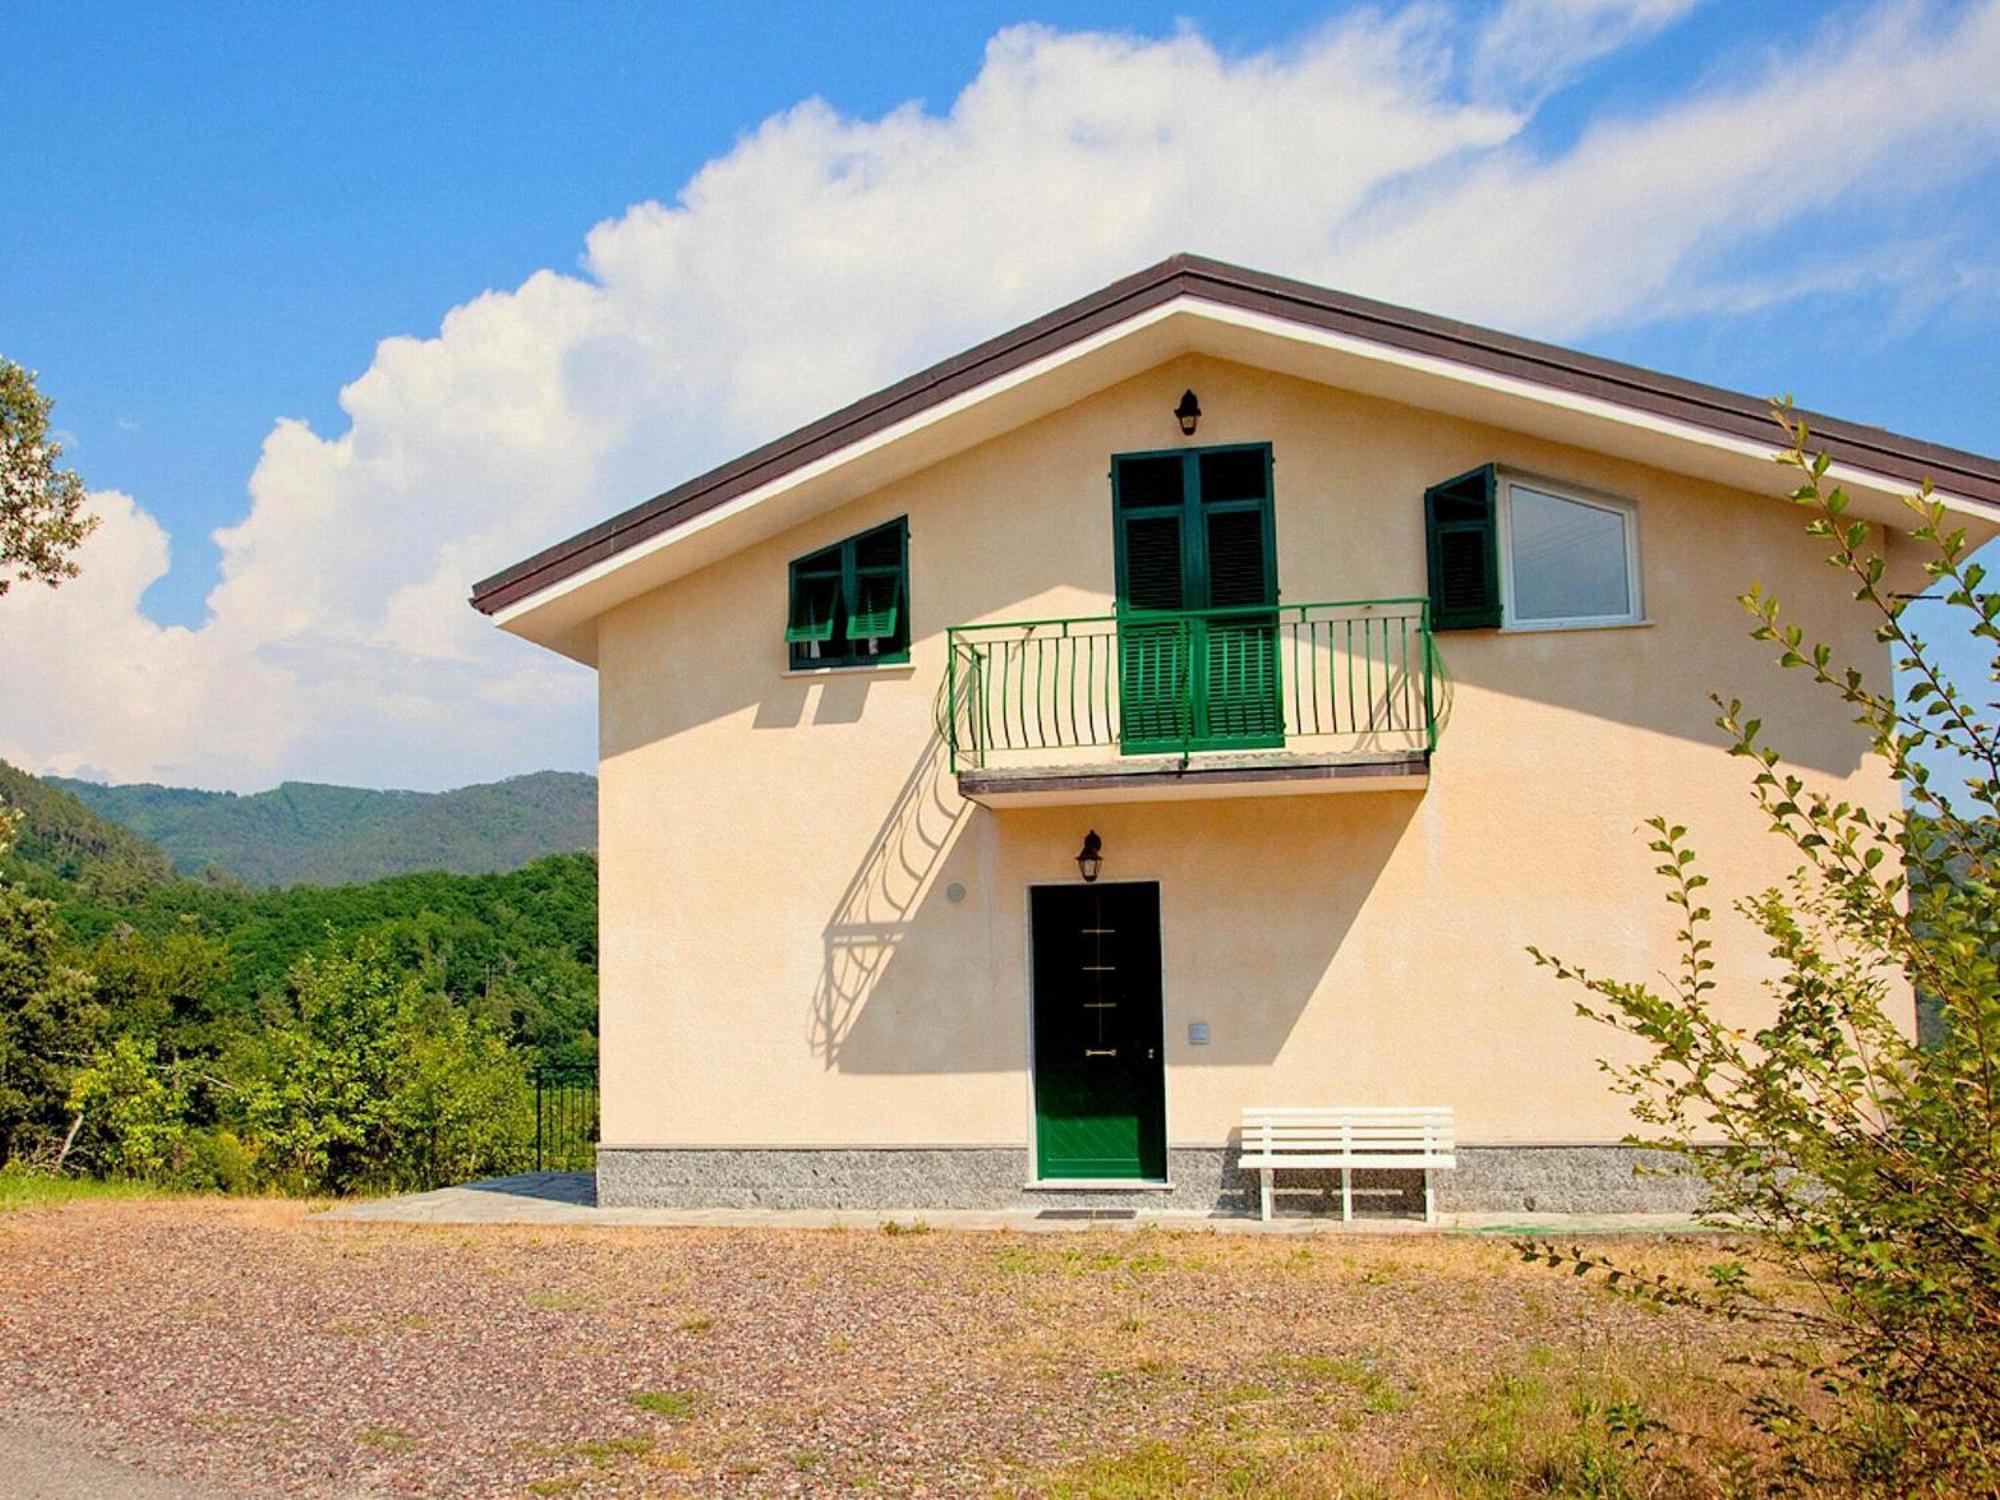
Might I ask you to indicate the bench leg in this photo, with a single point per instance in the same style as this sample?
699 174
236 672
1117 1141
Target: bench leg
1347 1195
1430 1214
1265 1193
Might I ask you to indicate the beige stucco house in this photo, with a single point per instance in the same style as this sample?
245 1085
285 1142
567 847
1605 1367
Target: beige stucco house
1362 640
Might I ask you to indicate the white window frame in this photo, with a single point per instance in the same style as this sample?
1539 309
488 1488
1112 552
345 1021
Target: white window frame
1597 500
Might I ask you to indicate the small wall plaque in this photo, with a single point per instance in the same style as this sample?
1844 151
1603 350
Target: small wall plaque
1197 1033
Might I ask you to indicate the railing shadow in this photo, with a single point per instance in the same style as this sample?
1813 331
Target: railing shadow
871 918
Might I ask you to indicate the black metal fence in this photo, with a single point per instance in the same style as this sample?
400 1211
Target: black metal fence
565 1119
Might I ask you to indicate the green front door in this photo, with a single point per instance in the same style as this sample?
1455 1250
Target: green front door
1198 654
1100 1078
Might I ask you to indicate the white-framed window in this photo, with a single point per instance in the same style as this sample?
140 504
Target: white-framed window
1568 559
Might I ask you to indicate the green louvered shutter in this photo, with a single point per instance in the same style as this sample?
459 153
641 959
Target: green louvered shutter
1239 680
815 604
1153 659
1153 563
879 571
1461 535
1195 532
1154 692
850 603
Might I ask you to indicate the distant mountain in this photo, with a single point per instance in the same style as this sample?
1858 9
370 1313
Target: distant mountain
61 840
334 835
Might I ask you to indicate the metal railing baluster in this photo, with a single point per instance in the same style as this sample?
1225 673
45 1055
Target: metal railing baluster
1193 674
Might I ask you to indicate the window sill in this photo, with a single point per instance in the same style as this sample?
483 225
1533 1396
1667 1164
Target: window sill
870 669
1539 628
1097 1185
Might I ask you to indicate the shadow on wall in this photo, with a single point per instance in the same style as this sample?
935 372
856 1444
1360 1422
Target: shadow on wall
873 915
1258 897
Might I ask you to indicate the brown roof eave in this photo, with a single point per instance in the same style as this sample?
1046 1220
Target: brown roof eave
1547 365
1052 331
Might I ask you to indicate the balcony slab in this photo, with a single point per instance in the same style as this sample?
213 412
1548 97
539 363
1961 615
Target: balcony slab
1205 777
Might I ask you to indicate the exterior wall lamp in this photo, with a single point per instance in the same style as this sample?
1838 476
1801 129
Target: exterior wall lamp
1188 413
1090 859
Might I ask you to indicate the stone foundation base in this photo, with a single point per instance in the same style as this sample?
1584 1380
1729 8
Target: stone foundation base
1488 1179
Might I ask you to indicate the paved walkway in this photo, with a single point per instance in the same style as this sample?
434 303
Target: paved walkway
37 1464
571 1198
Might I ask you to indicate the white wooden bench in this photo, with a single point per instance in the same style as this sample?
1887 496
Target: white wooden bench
1415 1138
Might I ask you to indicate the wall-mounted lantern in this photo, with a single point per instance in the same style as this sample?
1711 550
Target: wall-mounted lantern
1090 859
1188 413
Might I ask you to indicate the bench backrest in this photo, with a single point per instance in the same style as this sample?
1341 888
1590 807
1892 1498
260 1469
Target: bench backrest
1358 1132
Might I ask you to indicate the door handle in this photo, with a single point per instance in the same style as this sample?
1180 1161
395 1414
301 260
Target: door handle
1100 1051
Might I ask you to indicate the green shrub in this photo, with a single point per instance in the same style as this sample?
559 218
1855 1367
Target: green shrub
216 1161
369 1082
135 1110
1865 1159
466 1108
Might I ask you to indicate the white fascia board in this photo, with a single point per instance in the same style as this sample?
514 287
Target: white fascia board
1583 405
917 422
1432 366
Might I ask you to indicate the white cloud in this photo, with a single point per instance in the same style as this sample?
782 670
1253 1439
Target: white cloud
84 674
1640 216
1535 44
825 255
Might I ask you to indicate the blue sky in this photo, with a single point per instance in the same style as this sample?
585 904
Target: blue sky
229 205
212 216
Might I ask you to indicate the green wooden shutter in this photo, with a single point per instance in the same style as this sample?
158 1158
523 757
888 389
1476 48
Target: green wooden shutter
880 570
1239 571
1149 481
1240 702
1461 534
1195 533
1155 695
850 603
877 600
1152 563
815 602
1154 657
1240 682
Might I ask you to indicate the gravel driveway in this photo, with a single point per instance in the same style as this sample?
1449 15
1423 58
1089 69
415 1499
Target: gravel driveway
239 1344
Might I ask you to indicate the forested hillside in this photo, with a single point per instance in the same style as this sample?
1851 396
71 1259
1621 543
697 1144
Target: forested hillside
63 843
315 1038
333 835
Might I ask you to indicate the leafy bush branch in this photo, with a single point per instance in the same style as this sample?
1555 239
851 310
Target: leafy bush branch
1863 1159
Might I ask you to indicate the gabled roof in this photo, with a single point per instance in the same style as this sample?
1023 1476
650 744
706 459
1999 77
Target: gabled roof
1414 340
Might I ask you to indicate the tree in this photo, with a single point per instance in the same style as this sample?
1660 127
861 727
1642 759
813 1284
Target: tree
137 1110
467 1107
1866 1162
372 1081
50 1020
41 506
318 1111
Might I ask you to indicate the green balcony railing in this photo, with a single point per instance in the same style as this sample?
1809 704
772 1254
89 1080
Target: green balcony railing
1355 677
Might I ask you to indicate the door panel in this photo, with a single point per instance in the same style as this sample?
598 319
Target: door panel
1100 1077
